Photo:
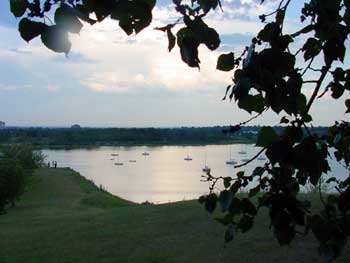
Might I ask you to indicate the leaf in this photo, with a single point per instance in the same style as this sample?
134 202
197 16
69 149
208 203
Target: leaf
227 182
227 90
133 16
278 151
235 187
66 18
337 90
311 48
150 3
251 103
188 45
206 5
269 32
258 171
83 11
266 136
30 29
225 199
210 203
334 49
203 33
241 90
56 39
171 39
240 174
338 75
226 62
307 118
18 7
284 120
347 104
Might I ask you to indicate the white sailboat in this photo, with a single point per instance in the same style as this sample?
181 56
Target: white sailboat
118 162
231 161
188 157
206 168
242 151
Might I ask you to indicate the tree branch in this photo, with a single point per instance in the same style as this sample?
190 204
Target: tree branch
252 159
317 88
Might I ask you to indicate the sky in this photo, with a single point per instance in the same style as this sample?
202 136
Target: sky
112 80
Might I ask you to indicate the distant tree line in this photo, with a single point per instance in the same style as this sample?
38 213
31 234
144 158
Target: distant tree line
46 137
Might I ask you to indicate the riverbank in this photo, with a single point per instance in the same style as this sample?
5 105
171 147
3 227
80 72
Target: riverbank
64 218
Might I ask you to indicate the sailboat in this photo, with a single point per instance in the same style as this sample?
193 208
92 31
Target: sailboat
231 161
261 158
188 158
206 168
242 151
118 162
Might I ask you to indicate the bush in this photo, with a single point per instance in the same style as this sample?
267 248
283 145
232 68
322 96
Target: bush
17 162
25 155
12 182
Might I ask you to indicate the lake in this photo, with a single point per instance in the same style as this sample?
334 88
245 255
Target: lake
163 175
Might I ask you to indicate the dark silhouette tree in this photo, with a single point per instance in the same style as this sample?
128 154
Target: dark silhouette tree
268 75
12 182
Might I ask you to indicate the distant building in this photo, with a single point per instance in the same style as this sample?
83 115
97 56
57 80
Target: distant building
2 125
75 126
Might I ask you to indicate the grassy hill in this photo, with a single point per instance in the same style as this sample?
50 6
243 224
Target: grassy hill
63 218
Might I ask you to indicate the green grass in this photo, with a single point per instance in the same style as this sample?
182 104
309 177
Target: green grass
64 218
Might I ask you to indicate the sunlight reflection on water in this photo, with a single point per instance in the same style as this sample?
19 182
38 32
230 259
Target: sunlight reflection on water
164 175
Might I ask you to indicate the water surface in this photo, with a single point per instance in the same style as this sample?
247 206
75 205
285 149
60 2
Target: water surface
163 175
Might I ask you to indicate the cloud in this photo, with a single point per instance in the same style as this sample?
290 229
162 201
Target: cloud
108 74
19 51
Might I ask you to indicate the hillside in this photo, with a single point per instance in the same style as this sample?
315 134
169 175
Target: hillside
64 218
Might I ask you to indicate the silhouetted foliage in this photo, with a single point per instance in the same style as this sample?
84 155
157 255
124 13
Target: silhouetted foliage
12 182
269 75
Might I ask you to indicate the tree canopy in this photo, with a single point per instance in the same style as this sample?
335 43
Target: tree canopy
271 73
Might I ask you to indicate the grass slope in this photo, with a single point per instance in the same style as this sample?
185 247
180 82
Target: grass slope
63 218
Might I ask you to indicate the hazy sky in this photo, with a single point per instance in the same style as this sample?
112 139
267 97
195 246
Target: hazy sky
110 79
